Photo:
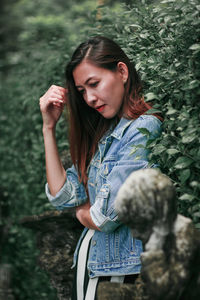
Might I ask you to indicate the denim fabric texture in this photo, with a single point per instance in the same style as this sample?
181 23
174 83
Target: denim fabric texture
113 249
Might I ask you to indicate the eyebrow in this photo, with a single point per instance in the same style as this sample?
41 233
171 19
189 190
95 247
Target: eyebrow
79 86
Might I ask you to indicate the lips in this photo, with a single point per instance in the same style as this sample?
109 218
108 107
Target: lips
100 108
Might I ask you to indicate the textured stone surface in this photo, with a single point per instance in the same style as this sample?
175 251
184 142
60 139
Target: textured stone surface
146 203
57 236
116 291
170 263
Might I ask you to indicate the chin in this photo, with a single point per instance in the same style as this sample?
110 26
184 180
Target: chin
109 115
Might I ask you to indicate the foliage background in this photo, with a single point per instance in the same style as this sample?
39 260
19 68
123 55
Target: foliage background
37 39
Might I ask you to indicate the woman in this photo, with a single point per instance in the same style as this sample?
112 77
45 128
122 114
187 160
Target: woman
105 109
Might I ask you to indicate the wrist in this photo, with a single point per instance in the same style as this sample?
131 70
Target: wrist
47 129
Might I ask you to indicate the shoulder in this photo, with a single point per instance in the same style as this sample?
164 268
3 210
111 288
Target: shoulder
127 129
143 128
148 122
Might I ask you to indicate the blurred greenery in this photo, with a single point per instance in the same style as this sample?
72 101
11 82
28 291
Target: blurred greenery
36 41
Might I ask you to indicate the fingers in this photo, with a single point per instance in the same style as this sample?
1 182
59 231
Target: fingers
47 103
55 95
58 105
58 92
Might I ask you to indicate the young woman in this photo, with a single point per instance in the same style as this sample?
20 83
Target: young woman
106 110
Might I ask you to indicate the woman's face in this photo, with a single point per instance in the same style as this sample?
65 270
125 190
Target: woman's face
101 89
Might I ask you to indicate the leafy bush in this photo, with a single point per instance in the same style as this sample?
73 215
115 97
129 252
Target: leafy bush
162 38
163 41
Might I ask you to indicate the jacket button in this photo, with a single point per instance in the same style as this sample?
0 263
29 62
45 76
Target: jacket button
106 170
94 243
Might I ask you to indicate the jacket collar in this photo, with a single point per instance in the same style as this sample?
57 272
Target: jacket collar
120 128
116 132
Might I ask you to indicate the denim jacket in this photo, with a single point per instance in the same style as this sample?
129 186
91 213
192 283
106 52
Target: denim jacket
113 249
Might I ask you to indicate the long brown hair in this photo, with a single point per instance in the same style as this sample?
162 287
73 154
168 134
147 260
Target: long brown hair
86 125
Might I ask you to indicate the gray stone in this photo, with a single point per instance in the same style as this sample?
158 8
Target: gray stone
57 236
119 291
170 262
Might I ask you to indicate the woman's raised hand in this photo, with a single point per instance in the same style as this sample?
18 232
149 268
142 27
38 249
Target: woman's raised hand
52 104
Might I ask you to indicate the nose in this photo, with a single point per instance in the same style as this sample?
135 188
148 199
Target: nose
90 98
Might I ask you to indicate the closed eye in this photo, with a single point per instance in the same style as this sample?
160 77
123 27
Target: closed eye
94 84
81 91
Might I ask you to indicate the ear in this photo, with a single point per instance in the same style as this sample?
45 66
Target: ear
123 71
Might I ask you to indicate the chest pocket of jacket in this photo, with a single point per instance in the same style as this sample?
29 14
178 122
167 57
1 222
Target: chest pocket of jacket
102 198
107 167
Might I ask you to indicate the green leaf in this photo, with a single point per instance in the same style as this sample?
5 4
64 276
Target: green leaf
172 151
144 35
194 84
196 214
135 148
144 131
167 1
153 111
185 174
187 197
150 96
137 158
188 139
171 111
183 162
194 184
197 225
159 149
138 65
195 47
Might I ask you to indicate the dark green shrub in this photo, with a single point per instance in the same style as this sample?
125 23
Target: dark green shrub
163 41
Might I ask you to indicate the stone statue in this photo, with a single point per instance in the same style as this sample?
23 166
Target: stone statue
171 259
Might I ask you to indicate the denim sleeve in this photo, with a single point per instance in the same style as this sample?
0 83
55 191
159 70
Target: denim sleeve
103 212
71 194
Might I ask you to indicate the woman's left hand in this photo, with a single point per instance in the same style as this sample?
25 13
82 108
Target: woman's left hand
83 215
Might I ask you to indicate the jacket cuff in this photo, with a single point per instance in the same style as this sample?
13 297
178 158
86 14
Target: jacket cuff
66 196
104 223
